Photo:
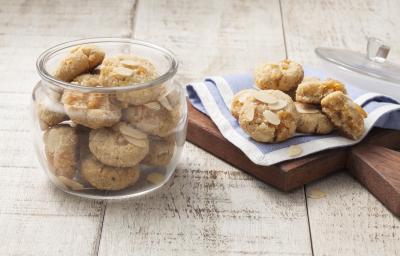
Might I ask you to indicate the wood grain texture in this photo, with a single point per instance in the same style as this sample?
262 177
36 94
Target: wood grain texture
210 208
36 218
349 221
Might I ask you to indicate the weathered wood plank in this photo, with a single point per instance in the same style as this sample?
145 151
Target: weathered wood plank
36 218
210 207
349 220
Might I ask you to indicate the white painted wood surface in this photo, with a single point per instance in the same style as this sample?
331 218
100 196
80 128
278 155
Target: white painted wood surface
210 207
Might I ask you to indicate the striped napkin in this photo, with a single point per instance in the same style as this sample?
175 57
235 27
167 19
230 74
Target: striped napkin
213 97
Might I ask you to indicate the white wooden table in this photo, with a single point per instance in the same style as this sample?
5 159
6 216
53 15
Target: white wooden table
210 207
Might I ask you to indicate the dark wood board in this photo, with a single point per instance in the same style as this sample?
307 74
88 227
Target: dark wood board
368 166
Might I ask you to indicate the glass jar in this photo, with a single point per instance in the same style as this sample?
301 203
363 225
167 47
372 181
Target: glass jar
109 121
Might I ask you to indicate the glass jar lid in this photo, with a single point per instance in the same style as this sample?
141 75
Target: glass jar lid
373 63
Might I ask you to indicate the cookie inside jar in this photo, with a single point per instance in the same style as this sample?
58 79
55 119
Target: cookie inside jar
118 121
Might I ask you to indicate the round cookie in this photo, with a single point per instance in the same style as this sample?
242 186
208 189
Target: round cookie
268 116
93 110
114 148
49 109
238 99
345 114
106 177
61 149
160 153
312 120
284 76
154 118
90 80
126 70
312 90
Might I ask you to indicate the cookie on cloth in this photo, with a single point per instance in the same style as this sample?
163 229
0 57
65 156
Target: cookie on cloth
312 90
312 119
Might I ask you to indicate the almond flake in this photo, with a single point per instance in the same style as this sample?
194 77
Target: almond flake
248 111
126 72
306 108
155 178
130 63
295 150
278 105
271 117
128 130
137 142
316 194
74 185
265 97
164 101
153 105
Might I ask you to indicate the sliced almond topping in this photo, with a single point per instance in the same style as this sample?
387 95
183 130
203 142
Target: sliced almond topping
141 143
278 105
123 71
128 130
295 150
271 117
130 63
74 185
155 178
316 194
164 101
248 111
306 108
265 97
153 105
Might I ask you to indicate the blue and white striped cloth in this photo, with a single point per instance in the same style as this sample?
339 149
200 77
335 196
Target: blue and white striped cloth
213 97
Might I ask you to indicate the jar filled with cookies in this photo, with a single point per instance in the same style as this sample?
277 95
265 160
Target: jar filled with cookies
109 120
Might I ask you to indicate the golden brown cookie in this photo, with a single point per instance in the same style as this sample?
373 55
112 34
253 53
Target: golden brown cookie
312 120
312 90
49 109
154 118
94 110
345 114
269 116
284 76
90 80
160 153
80 59
106 177
61 148
238 99
119 148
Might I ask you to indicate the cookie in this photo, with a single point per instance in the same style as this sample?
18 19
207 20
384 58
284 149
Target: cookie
154 118
268 116
89 80
160 153
61 146
312 120
94 110
284 76
238 100
345 114
106 177
80 59
119 148
49 109
312 90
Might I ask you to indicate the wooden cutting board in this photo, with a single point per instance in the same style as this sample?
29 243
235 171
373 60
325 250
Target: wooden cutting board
373 162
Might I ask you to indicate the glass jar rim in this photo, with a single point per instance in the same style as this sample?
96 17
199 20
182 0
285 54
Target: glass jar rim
46 76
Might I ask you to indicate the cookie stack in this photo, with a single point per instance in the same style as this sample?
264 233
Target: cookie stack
100 140
285 102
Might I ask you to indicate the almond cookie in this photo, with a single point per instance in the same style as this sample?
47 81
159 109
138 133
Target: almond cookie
119 147
238 100
268 116
49 109
89 80
80 60
312 120
154 118
160 153
61 148
284 76
126 70
106 177
345 114
312 90
94 110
